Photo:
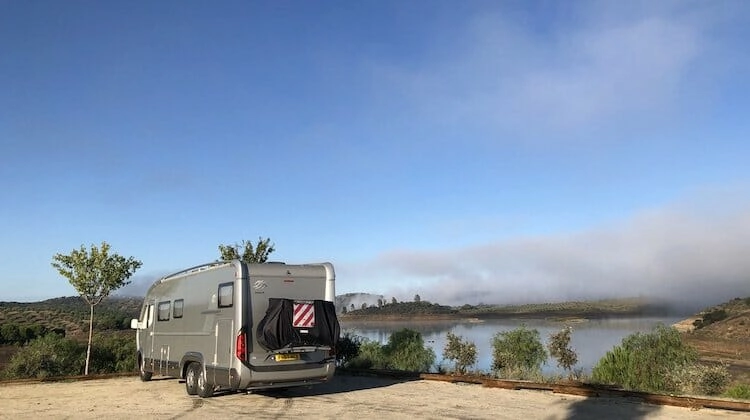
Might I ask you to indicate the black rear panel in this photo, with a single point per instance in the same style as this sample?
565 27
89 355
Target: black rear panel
277 331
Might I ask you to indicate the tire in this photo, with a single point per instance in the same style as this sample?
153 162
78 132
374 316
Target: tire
144 375
191 378
204 386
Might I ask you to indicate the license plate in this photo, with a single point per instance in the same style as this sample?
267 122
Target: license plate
287 357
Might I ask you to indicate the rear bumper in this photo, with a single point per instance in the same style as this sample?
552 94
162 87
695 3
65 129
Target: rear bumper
310 374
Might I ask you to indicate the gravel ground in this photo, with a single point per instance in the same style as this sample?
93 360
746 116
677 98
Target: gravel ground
346 397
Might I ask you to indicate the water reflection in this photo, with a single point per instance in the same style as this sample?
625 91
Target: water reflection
591 339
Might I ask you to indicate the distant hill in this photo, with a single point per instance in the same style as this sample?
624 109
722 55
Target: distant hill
71 313
592 309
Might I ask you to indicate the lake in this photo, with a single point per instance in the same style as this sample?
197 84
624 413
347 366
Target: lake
590 339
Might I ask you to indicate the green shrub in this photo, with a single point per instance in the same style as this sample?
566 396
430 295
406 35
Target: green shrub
518 353
710 317
464 354
347 348
406 351
370 356
47 356
559 348
739 391
701 379
646 361
112 353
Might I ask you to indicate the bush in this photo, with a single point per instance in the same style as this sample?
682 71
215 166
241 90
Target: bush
703 380
464 354
406 351
112 353
710 317
739 391
370 356
47 356
646 361
559 348
347 348
518 353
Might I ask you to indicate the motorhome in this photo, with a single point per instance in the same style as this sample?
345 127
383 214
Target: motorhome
239 326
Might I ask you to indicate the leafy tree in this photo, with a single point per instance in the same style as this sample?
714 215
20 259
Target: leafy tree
343 310
380 302
248 252
417 298
463 353
559 348
646 361
518 352
352 307
364 305
95 273
393 300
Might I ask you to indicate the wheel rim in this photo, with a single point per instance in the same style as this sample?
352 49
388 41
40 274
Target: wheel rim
201 381
191 376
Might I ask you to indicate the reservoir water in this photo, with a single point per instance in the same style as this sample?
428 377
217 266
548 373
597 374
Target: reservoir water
591 339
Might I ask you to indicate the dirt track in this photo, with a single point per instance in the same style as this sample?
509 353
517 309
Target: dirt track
347 397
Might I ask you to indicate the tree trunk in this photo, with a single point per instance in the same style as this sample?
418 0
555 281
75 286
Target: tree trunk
91 334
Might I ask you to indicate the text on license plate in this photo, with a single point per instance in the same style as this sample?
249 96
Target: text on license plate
287 357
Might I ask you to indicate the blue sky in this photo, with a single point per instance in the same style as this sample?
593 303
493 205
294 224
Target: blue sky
496 152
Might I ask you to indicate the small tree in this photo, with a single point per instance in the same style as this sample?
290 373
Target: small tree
518 352
417 298
364 305
343 310
393 300
247 252
559 348
352 307
464 354
95 274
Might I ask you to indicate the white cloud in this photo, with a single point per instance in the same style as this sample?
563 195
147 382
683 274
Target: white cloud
688 253
584 77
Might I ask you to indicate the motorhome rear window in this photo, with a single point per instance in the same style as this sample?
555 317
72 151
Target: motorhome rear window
163 312
226 295
179 304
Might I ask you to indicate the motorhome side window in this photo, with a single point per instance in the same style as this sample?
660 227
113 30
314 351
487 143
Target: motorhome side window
226 295
163 311
179 304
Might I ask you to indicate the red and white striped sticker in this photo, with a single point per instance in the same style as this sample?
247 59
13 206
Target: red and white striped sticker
304 315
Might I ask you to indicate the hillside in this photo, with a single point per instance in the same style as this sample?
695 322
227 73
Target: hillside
594 309
71 314
722 334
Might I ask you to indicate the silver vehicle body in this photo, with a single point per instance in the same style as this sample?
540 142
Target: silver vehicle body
208 316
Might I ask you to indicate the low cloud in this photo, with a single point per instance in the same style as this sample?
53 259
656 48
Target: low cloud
689 253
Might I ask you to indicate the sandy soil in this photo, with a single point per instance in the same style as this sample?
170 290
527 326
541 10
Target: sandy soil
347 397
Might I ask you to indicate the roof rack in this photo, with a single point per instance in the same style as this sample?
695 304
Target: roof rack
196 269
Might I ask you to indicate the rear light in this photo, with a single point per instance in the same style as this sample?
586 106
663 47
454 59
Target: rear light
240 348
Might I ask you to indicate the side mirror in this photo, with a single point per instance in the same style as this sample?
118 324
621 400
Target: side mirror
134 323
